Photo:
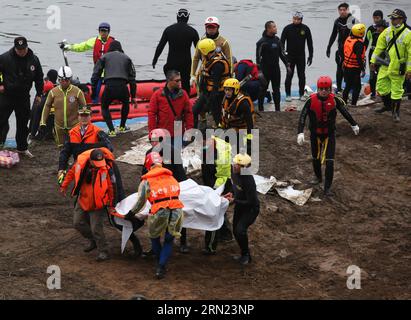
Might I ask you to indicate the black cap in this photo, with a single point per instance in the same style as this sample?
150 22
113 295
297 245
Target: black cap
20 43
52 75
378 13
397 13
97 154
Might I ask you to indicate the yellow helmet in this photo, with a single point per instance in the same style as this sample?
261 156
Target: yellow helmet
358 30
232 83
206 46
241 159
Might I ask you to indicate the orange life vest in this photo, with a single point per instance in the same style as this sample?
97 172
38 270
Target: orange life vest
350 58
91 135
321 110
99 193
101 48
164 189
218 58
230 119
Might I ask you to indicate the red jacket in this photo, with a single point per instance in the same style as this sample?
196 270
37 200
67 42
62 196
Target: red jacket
161 116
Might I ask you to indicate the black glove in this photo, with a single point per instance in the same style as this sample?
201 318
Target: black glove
328 53
62 45
309 61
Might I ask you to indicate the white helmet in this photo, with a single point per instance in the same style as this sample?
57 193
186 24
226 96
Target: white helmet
65 73
212 20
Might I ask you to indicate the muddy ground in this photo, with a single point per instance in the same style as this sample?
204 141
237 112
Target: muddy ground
299 252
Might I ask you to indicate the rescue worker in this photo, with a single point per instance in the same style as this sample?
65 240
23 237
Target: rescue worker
321 109
66 99
82 137
394 67
354 63
372 34
19 68
215 70
246 204
118 72
269 52
94 187
342 27
166 215
296 35
99 45
238 113
246 68
212 28
180 36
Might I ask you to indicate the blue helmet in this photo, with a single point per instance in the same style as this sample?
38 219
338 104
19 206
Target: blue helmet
104 25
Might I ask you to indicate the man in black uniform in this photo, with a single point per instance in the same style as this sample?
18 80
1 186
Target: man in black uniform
118 72
179 36
19 68
269 53
321 109
296 35
342 28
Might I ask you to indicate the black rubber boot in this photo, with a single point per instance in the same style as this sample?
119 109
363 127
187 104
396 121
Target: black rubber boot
396 104
387 104
317 171
277 100
136 246
329 175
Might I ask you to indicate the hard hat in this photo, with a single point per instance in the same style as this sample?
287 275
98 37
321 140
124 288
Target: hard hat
65 73
232 83
151 159
358 30
206 46
241 159
212 21
156 134
298 15
104 25
324 82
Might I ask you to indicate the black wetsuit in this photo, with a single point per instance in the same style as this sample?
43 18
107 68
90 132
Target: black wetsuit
246 208
180 36
296 36
342 30
269 52
317 140
373 74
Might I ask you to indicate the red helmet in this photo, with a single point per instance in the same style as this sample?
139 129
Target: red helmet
324 82
151 159
156 134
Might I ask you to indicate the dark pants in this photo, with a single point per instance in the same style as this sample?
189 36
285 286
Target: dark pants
35 118
273 75
21 107
184 72
205 104
340 73
3 132
252 88
115 91
318 143
352 77
244 217
298 62
163 252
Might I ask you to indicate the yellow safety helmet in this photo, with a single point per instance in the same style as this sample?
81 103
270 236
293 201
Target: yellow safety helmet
241 159
232 83
206 46
358 30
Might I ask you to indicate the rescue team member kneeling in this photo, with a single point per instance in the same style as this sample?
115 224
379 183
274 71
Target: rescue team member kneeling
160 188
94 187
247 205
354 63
215 70
82 137
66 99
321 109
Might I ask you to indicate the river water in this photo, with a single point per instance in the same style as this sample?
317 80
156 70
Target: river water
139 25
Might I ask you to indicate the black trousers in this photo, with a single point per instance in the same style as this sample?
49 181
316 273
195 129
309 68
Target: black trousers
319 143
204 104
340 73
3 133
21 107
244 217
272 75
298 62
184 70
115 91
352 77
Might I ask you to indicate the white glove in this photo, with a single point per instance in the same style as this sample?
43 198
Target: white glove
300 139
193 80
356 129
